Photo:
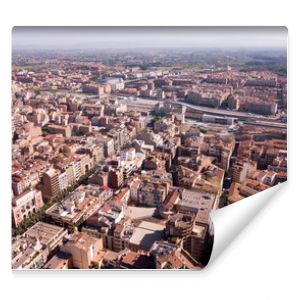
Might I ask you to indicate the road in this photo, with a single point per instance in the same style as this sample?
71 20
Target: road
247 118
267 124
223 112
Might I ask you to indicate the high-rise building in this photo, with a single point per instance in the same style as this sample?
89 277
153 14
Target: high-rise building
51 183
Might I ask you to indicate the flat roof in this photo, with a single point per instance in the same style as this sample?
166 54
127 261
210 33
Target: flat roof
146 234
44 231
134 212
197 199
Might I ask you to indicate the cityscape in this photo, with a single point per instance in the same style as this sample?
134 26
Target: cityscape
122 146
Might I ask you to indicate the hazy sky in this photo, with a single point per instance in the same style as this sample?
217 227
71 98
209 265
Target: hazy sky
43 38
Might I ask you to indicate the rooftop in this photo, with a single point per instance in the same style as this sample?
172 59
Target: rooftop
146 234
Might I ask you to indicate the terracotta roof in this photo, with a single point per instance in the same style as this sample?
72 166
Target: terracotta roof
171 199
119 228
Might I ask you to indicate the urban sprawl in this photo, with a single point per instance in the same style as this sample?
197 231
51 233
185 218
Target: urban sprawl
118 162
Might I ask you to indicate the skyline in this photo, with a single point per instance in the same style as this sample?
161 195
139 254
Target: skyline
118 160
103 38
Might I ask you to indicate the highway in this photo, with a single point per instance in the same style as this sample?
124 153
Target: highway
223 112
251 119
140 101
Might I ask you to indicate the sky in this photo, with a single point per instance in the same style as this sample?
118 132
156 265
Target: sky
68 38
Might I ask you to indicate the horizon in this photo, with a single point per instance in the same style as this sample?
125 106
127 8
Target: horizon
148 38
